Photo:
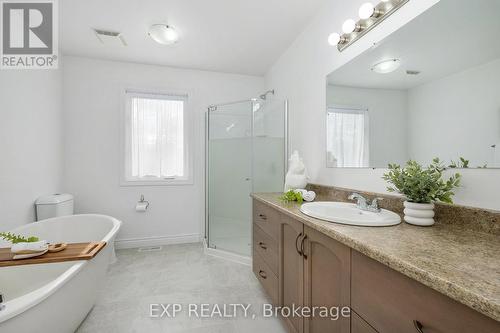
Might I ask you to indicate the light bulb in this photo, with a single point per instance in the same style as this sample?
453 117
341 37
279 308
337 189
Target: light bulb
349 26
334 38
366 10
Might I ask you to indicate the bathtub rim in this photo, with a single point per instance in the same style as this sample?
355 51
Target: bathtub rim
25 302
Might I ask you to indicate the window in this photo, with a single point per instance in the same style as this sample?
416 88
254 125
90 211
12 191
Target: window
347 137
155 140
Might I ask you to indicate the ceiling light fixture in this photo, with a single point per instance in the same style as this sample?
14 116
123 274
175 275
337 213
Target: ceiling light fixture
370 16
163 34
386 66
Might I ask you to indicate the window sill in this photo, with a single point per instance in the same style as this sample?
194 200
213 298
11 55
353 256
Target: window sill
170 182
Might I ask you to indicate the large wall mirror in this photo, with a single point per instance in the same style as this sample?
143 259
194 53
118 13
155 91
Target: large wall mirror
431 89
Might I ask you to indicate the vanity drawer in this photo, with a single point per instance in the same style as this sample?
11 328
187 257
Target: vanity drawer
266 277
266 218
392 302
267 247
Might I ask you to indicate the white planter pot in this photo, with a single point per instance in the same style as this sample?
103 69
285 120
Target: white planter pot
419 213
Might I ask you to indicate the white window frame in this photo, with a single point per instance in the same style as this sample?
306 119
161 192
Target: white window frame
353 110
125 126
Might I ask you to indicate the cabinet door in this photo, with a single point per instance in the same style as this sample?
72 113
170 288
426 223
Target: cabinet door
291 268
358 325
327 281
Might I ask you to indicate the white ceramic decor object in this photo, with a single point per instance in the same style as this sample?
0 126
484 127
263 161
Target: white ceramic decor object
419 213
296 177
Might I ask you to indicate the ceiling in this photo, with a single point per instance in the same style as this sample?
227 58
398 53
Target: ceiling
235 36
450 37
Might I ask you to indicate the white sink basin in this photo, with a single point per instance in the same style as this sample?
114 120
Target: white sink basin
348 213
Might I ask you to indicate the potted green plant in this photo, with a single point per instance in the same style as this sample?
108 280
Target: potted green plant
422 187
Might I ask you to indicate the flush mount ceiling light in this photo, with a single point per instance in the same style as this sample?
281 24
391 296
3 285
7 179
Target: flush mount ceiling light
370 16
386 66
163 34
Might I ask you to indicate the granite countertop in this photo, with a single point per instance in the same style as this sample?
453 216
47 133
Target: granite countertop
459 263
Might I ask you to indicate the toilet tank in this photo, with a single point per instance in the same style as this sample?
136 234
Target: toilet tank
54 205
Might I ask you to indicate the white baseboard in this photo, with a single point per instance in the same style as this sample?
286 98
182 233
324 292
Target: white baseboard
227 255
132 243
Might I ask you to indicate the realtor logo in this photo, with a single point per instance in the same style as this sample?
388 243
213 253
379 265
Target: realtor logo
29 34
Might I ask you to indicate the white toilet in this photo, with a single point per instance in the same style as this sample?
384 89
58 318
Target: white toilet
54 205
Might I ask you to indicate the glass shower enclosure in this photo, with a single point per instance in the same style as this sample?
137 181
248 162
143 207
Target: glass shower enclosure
246 151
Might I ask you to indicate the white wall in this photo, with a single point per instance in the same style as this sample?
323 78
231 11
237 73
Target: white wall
387 110
92 102
30 142
300 75
460 116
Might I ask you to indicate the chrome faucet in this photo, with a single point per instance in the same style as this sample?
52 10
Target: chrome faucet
363 203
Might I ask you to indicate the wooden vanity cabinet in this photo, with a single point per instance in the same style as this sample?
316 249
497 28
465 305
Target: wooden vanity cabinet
327 281
392 302
265 249
302 266
313 269
291 269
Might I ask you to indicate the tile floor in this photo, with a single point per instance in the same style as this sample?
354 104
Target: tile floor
176 274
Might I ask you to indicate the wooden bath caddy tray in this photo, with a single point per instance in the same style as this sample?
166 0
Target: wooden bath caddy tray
74 251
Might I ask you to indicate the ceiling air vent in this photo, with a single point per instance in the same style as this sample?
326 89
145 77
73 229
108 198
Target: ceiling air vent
110 38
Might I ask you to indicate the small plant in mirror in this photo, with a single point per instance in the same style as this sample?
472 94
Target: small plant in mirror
422 185
462 163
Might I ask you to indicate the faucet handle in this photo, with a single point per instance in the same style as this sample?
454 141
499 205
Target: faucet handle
354 196
375 202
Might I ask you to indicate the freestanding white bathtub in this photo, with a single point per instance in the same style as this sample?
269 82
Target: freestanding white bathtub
56 297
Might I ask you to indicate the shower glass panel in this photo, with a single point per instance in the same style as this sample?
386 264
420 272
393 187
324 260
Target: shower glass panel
245 153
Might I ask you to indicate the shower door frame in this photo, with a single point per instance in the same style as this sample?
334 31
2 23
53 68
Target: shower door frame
212 108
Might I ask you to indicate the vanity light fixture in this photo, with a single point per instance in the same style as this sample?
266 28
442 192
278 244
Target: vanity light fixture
386 66
368 10
350 26
370 16
163 34
335 38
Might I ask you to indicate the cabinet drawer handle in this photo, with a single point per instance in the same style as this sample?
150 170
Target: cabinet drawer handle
263 217
297 245
263 245
418 326
302 247
263 274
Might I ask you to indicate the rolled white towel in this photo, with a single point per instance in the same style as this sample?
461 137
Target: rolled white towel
29 255
307 195
29 248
